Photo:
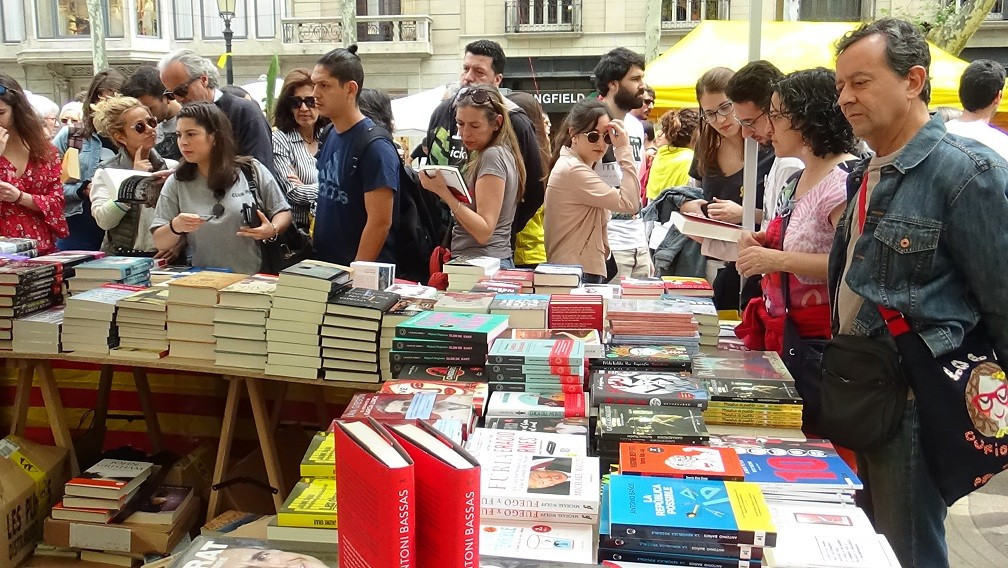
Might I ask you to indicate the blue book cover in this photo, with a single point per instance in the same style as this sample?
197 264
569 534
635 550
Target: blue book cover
561 352
669 509
797 472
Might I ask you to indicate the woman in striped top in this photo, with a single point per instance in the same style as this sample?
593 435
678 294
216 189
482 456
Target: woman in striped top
295 144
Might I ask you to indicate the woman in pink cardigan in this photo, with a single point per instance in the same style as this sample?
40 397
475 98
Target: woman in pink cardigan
578 201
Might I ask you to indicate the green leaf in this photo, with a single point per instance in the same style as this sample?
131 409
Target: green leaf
271 78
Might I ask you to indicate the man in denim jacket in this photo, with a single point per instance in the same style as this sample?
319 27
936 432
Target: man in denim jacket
933 246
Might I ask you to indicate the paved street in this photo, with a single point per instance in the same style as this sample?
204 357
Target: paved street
977 527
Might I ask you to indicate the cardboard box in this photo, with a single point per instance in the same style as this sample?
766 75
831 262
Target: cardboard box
31 481
195 469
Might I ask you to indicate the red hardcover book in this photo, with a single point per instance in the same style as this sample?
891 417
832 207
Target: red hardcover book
569 311
375 497
447 497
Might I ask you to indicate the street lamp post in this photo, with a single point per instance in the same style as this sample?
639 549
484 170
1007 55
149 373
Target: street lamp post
227 13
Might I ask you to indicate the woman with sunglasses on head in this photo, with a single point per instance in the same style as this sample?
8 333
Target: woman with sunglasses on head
203 200
31 196
127 225
296 143
93 149
579 202
494 177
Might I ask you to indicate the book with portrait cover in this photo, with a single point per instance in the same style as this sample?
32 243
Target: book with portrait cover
547 483
681 462
655 424
477 390
233 552
647 388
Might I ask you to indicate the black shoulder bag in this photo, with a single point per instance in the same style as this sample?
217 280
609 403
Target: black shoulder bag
288 248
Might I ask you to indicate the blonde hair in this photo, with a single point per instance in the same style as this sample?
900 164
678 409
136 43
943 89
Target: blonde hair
109 113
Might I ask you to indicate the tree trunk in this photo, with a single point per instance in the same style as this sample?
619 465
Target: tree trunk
96 20
953 32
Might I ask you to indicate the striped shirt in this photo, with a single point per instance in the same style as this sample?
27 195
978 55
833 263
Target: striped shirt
292 155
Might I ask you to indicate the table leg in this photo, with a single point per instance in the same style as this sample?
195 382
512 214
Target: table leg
224 445
101 405
266 440
278 403
57 418
150 416
22 400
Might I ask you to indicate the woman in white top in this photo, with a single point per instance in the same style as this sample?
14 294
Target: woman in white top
296 142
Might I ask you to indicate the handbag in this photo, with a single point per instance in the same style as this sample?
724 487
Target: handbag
70 166
438 258
288 248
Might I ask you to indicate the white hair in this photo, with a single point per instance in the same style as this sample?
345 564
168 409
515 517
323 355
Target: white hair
194 64
75 107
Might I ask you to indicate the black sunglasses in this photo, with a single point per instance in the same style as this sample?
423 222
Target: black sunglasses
143 125
180 91
593 137
217 210
296 102
478 95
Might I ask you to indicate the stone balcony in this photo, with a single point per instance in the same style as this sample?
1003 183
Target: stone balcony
392 34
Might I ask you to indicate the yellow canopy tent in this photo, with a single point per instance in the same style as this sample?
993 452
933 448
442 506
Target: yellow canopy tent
788 45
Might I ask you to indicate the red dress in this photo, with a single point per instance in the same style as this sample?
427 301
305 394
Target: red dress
41 181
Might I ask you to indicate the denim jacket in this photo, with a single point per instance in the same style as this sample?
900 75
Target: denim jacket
90 157
934 246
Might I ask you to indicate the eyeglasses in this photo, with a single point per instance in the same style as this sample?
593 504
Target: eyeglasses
478 95
750 123
593 137
182 90
723 110
296 102
217 210
143 125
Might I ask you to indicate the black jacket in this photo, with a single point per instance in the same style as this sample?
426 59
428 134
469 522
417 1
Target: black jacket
251 129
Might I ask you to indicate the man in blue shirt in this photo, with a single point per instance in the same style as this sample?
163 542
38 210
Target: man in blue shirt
356 209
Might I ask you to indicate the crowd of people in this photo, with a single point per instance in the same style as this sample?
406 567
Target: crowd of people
863 198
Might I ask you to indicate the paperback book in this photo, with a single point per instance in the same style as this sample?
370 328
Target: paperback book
528 481
647 388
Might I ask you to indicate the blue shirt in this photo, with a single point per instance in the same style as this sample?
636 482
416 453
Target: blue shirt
340 215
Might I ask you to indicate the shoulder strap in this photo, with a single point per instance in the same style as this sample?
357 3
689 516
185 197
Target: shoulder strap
74 138
363 141
248 169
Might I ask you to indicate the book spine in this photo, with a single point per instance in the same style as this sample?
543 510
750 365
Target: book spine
723 536
27 308
435 358
440 335
541 516
556 365
419 346
689 547
518 370
527 503
538 388
680 560
644 400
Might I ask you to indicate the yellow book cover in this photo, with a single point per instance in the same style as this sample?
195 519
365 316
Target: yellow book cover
311 504
320 459
750 508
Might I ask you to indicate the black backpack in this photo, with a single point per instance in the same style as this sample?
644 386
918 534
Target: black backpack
418 230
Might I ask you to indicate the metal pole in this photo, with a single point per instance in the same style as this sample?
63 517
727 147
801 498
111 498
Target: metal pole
749 173
96 19
228 34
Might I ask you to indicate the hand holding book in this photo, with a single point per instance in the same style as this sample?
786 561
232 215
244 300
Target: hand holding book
449 182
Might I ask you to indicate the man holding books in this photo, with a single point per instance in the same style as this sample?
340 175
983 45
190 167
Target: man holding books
357 203
922 235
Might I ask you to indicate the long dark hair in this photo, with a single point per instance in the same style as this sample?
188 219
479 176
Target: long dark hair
283 113
26 123
504 136
224 161
708 141
533 109
582 117
107 80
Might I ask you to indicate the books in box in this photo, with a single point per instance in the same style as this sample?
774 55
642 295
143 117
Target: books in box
537 541
543 483
534 405
312 503
133 538
489 440
648 388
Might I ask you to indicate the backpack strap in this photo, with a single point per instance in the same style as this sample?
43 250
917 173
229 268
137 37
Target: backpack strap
251 176
373 133
75 139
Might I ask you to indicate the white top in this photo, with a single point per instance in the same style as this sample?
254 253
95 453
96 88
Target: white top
780 171
625 234
982 132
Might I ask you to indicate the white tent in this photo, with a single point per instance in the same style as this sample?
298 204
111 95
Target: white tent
412 114
258 90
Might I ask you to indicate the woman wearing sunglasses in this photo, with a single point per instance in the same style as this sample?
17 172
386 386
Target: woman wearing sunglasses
494 177
203 201
31 196
127 225
579 202
295 144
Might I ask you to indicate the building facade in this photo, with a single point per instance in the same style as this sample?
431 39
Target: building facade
406 45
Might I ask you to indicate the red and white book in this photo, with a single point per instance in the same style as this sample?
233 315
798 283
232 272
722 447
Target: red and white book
688 286
375 497
447 497
83 515
571 311
109 479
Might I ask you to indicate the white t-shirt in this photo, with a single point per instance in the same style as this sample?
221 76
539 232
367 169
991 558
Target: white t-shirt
625 234
982 132
780 171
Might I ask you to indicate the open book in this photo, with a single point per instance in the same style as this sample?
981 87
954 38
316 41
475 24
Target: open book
720 239
453 179
132 186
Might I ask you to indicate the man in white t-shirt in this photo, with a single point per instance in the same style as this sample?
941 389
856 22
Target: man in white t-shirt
980 90
619 78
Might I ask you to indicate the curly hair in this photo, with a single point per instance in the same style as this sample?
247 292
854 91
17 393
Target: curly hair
809 100
109 113
981 421
678 126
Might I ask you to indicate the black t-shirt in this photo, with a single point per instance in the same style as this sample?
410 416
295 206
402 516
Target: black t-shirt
729 188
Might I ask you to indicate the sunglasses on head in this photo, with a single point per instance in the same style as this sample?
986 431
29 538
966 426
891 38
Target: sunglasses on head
181 91
478 95
3 90
296 102
143 125
217 210
593 137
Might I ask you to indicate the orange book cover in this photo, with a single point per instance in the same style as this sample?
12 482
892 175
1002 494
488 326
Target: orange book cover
683 462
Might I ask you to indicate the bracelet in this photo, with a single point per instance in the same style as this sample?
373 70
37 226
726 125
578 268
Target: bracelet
20 195
458 204
276 233
172 227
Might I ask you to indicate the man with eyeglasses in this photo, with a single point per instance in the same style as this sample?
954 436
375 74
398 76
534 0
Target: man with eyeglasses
749 90
145 85
643 112
189 77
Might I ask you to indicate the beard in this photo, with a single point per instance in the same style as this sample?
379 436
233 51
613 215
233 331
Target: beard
627 101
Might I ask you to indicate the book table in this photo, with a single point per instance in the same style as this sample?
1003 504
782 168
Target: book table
32 365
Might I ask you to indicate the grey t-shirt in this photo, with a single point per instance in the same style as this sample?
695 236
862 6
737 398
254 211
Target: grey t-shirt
216 243
495 161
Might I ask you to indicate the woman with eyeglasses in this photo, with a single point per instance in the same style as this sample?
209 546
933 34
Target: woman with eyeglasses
579 202
296 143
93 149
203 201
495 178
31 196
127 225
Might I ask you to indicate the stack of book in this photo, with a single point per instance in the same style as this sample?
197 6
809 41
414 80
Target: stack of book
307 520
19 246
489 285
684 522
451 414
465 302
39 332
347 355
688 286
445 338
412 301
706 317
524 278
111 270
826 536
162 274
642 288
648 388
191 301
527 311
89 319
239 322
576 311
622 423
141 319
299 306
102 491
556 278
68 260
654 357
26 287
592 340
746 402
653 323
540 366
464 274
